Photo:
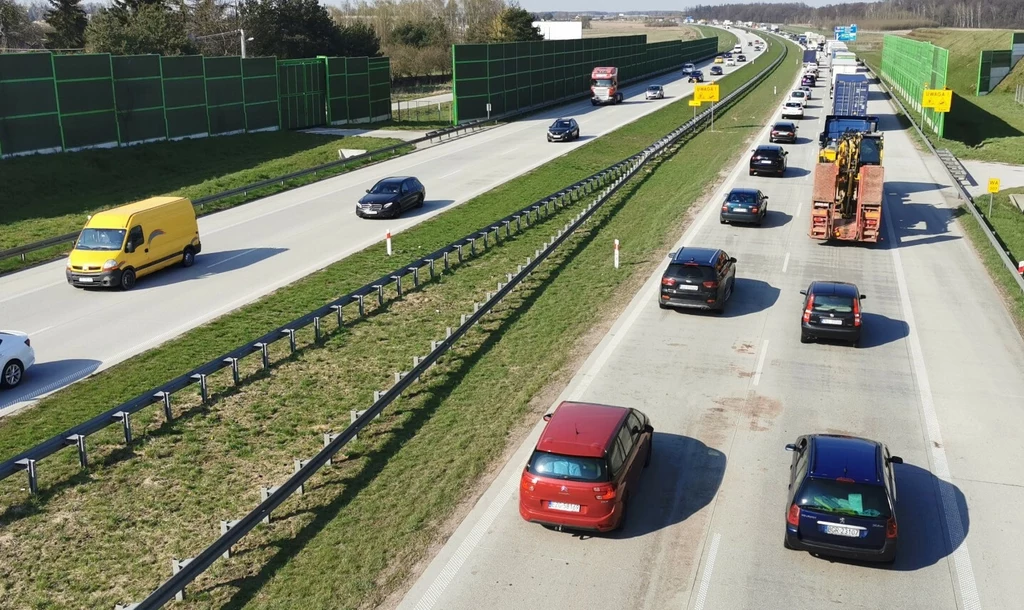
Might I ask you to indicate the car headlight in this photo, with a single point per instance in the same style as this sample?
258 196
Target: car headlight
388 203
110 264
68 264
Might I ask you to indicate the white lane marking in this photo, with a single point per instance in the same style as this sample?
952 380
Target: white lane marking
798 206
34 290
230 258
451 174
705 580
950 509
466 547
785 263
40 331
760 362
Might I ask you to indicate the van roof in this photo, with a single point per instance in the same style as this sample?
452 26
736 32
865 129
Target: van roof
118 217
581 429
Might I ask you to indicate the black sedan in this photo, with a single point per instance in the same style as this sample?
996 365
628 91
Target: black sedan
831 311
696 77
391 196
744 205
783 131
768 158
741 58
716 70
564 130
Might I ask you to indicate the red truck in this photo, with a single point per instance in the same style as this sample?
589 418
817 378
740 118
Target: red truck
604 86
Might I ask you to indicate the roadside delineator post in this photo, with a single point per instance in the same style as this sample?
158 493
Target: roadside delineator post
1020 267
616 254
388 239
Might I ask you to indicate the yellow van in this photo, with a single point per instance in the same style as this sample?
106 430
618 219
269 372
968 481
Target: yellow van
124 243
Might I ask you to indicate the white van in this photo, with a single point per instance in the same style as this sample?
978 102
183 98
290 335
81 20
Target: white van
737 49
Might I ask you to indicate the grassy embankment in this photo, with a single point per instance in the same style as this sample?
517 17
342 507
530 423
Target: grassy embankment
49 195
352 536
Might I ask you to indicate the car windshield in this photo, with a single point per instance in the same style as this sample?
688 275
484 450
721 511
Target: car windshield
562 124
689 272
100 239
831 303
603 82
654 88
385 188
842 498
568 467
742 198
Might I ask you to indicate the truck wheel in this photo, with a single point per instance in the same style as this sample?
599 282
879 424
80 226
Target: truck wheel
127 279
188 257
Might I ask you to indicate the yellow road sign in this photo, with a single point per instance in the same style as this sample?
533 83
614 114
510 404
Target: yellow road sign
939 100
993 185
706 93
694 103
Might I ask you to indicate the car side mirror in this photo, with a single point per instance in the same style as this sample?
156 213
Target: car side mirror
803 292
732 260
367 190
791 447
547 417
129 247
863 296
895 459
671 254
649 428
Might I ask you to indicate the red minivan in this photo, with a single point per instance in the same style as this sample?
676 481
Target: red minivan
585 466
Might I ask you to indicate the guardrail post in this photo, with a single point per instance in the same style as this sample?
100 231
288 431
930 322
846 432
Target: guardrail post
416 274
33 480
264 494
519 223
176 566
235 376
299 464
462 320
165 398
398 284
460 253
431 269
78 440
446 265
224 527
398 376
341 316
264 349
328 439
376 396
202 386
316 329
472 247
380 294
291 338
126 425
362 312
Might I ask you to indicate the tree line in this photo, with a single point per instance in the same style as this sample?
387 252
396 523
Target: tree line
416 34
887 14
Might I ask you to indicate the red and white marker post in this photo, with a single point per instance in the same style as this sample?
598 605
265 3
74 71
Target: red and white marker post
616 254
1020 267
388 239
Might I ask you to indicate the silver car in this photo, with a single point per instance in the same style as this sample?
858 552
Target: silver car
655 92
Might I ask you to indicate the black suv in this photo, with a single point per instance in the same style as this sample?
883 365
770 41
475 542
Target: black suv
700 278
842 498
768 158
564 130
831 311
783 131
389 197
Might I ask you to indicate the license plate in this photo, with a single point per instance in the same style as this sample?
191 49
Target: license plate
839 530
686 287
85 280
739 209
369 211
570 508
832 321
765 162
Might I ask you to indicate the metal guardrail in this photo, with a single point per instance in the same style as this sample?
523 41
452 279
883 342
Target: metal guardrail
439 134
186 570
986 227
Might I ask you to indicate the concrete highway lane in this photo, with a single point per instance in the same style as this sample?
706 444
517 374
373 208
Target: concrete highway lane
939 378
254 249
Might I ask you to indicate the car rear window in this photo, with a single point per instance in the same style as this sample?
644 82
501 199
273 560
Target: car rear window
831 303
841 498
792 104
742 198
690 272
568 467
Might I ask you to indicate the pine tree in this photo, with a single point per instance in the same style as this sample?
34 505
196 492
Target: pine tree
68 20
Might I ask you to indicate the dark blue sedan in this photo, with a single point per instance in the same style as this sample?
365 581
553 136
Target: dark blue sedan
744 205
842 498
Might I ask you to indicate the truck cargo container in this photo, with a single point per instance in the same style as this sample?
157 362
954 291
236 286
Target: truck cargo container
850 95
810 57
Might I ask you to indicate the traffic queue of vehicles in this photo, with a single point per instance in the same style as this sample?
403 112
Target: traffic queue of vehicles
841 498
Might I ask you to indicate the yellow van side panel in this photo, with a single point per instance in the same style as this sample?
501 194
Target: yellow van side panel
167 229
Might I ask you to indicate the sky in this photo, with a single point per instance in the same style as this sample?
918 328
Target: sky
644 5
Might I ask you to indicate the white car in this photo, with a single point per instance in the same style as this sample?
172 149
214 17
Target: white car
655 92
792 110
807 90
798 96
730 61
16 356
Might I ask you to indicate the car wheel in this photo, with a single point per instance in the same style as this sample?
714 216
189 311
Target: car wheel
127 279
12 374
188 257
419 202
805 338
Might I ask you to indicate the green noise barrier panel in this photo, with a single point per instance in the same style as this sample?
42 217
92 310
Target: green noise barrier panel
52 103
518 75
994 66
909 67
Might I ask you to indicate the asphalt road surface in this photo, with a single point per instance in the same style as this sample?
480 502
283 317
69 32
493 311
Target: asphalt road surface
254 249
939 378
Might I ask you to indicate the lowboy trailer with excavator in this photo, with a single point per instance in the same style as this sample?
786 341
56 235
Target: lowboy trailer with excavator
847 200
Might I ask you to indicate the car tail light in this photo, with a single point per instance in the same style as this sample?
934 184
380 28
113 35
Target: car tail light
856 312
844 479
667 281
810 305
793 516
605 492
713 284
890 528
754 209
725 208
527 483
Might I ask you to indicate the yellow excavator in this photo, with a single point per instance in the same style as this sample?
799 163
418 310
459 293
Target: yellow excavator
847 200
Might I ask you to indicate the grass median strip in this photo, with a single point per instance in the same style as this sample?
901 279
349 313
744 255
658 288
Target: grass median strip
49 195
350 538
